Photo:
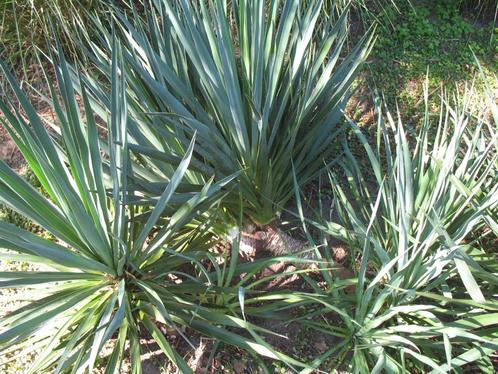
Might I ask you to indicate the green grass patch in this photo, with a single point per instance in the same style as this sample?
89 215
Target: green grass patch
427 36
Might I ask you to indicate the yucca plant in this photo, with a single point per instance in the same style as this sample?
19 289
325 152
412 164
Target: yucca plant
116 270
449 175
423 297
261 87
418 318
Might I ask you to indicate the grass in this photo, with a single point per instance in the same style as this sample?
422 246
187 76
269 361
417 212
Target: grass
438 38
28 25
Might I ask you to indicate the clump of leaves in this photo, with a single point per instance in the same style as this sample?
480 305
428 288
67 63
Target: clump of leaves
116 269
424 293
262 84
